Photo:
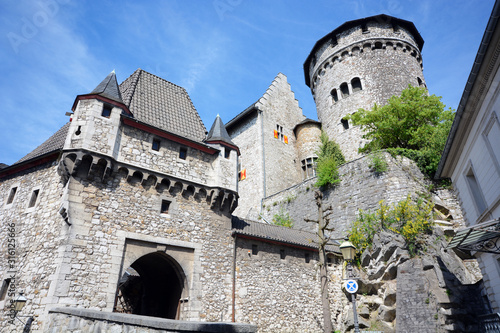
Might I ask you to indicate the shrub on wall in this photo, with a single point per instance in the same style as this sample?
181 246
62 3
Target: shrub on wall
329 158
409 218
283 219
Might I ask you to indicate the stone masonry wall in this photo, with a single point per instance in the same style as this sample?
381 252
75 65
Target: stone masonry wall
135 149
39 235
283 295
117 211
248 137
360 188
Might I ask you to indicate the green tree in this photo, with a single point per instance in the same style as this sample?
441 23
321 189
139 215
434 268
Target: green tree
329 158
414 125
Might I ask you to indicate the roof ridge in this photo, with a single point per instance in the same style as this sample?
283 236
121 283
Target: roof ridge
133 85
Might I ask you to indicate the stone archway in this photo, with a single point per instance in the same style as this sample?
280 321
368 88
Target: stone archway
151 286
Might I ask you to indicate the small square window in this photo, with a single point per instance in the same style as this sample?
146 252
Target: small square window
255 250
106 111
183 153
282 254
156 145
12 194
165 206
34 197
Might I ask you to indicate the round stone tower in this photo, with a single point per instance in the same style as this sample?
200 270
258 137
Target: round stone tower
361 63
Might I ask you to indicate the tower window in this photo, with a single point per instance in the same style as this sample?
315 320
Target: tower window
34 197
364 28
307 258
278 134
344 89
345 123
309 167
356 84
183 153
165 206
378 46
335 95
12 194
227 152
106 111
156 144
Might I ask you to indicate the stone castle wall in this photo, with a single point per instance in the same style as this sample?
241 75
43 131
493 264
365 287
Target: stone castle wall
281 290
39 236
360 189
372 57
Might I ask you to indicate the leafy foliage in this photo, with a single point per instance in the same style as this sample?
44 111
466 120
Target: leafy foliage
414 125
283 219
378 163
408 218
329 158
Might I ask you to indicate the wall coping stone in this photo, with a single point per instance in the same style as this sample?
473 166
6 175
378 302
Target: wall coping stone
160 323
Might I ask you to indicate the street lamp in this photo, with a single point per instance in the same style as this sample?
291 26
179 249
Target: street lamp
19 304
349 252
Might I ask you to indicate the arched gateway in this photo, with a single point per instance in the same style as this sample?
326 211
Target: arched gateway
151 286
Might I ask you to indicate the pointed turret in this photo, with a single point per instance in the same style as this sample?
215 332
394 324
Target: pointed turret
109 88
218 133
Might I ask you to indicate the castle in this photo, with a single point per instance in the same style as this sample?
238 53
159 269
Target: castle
134 207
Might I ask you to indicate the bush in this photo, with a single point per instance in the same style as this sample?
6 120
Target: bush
329 158
378 163
408 218
283 219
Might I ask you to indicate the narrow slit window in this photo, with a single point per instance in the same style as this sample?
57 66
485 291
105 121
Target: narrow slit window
34 197
307 258
345 123
12 194
255 250
227 152
106 111
344 89
282 254
183 153
156 145
5 287
335 95
165 206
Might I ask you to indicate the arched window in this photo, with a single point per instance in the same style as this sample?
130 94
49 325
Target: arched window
344 89
345 123
335 95
356 84
420 82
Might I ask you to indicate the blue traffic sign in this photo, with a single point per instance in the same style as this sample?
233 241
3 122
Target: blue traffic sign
351 286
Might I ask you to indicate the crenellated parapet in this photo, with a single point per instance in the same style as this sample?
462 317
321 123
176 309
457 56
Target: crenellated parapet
101 168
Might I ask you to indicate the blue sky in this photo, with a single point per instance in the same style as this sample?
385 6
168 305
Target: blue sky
224 52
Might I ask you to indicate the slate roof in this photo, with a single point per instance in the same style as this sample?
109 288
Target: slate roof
162 104
278 234
52 144
109 88
218 132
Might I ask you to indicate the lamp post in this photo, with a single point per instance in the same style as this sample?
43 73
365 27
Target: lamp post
19 304
349 252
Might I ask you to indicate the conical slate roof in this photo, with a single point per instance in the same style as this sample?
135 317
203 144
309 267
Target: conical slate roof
218 132
109 88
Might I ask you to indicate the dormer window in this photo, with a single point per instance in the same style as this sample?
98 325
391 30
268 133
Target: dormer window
106 111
